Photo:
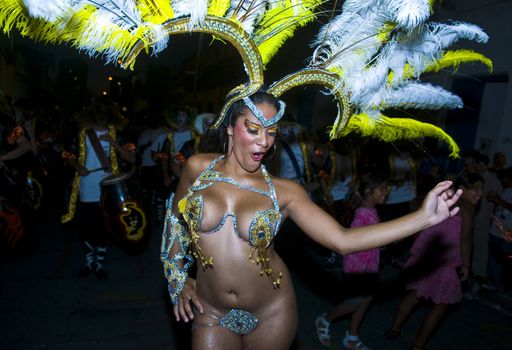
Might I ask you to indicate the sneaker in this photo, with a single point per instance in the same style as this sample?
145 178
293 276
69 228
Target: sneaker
323 330
352 342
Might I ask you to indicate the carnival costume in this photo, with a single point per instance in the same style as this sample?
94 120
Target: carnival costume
369 57
186 233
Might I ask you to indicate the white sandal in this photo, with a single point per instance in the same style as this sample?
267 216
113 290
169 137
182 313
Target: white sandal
322 330
357 344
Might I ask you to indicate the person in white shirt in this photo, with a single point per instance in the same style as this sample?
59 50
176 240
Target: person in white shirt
97 158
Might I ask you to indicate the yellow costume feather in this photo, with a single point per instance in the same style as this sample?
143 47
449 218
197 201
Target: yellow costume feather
455 58
392 129
279 24
155 11
218 7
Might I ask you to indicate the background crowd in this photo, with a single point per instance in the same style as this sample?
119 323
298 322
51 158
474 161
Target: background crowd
44 149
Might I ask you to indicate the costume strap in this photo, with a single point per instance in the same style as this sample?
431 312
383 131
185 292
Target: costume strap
95 142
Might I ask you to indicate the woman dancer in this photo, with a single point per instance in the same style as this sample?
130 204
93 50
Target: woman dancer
228 210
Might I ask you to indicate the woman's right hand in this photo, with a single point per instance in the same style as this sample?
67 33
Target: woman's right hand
187 296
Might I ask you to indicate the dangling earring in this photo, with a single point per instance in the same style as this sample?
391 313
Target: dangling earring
267 156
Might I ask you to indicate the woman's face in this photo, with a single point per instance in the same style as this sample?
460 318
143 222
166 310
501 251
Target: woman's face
474 193
249 139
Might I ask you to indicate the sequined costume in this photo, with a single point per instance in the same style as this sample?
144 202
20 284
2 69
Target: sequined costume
185 231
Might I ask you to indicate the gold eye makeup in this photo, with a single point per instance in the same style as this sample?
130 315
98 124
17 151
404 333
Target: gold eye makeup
253 128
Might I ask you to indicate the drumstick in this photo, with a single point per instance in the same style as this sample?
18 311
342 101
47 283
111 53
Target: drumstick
99 169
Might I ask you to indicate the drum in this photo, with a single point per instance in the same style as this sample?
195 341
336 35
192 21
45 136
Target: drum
34 191
124 215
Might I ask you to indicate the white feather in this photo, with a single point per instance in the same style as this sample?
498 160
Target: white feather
47 10
248 12
352 12
196 9
357 45
415 95
407 13
450 33
159 37
420 48
367 83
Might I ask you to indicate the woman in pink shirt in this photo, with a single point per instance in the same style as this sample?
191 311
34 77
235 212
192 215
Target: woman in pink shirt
361 269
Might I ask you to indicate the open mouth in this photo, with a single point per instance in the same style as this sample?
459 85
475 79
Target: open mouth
257 156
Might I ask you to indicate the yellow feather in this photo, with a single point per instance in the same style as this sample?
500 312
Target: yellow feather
449 59
455 58
218 7
12 12
392 129
155 11
279 24
385 31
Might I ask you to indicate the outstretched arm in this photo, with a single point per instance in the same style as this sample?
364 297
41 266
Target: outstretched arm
321 227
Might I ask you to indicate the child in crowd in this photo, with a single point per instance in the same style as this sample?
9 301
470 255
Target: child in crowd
361 269
440 260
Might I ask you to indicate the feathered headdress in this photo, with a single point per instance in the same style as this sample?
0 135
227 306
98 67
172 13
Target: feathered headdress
371 56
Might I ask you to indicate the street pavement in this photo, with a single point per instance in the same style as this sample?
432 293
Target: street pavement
45 305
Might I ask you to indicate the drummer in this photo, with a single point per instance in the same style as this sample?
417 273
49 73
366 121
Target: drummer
95 157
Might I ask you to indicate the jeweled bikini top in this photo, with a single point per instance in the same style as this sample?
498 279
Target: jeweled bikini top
262 229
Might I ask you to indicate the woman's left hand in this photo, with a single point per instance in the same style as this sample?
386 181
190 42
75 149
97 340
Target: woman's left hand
437 206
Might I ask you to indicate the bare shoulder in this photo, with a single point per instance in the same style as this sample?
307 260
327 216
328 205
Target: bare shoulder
287 190
197 163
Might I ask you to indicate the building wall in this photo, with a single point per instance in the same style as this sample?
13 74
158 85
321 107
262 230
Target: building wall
494 128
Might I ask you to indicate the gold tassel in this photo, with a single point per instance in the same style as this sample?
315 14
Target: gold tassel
263 261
